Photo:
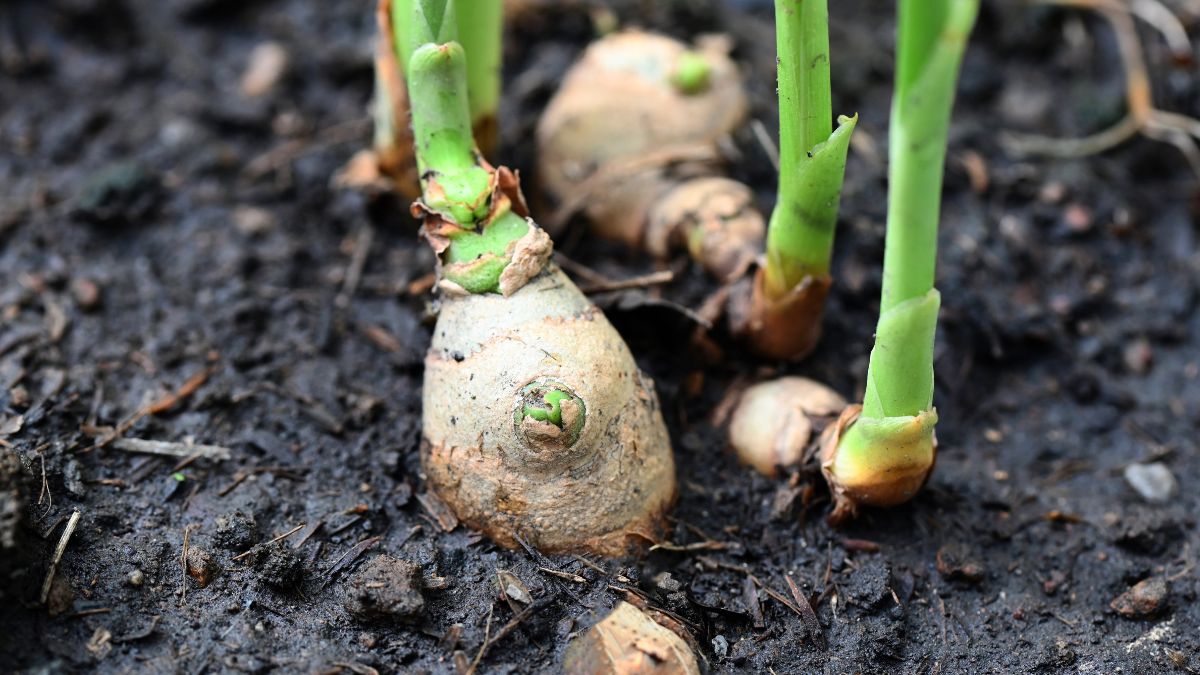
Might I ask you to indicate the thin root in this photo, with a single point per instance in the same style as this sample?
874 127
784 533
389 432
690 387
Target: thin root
1142 118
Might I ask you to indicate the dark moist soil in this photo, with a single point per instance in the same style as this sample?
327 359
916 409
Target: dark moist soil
172 246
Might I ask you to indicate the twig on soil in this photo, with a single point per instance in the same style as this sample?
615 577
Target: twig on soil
88 612
750 597
281 537
336 134
354 270
238 478
183 450
160 406
438 509
697 546
487 631
652 279
348 558
1142 117
513 623
562 575
591 564
183 560
807 615
58 554
578 269
45 493
308 533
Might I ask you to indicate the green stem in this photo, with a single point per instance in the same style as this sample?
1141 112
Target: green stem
480 31
403 29
482 235
802 42
812 161
933 35
452 181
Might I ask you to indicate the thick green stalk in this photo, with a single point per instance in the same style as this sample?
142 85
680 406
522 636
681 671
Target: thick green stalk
452 181
933 36
888 449
404 40
480 31
812 161
480 232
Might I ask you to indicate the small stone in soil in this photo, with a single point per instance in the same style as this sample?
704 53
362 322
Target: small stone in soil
1144 600
1138 356
252 220
954 564
1153 482
86 293
136 578
268 63
201 566
236 531
385 588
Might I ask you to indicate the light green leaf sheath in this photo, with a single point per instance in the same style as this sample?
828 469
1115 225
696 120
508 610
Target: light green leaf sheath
475 260
801 232
452 181
812 156
900 375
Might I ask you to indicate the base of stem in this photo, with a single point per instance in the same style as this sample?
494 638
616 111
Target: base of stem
876 461
786 328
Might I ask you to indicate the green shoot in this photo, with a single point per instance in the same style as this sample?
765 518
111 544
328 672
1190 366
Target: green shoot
480 31
477 25
451 178
812 157
479 230
547 402
692 74
933 35
884 456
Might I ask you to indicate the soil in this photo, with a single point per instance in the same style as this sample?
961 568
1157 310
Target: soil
175 266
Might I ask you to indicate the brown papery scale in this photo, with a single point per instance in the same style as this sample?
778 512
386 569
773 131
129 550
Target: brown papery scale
625 144
786 327
537 422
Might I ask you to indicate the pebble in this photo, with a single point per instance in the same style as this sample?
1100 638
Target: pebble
1153 482
1138 355
268 62
86 293
252 220
136 578
122 192
1144 600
